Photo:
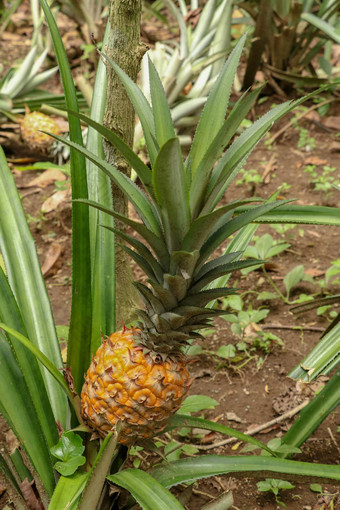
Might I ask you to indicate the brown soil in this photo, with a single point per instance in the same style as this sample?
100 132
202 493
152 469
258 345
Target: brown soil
248 393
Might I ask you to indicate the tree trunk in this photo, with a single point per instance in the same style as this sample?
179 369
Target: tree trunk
260 38
125 49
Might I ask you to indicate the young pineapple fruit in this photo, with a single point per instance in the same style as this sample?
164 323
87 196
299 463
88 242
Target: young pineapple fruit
32 125
140 376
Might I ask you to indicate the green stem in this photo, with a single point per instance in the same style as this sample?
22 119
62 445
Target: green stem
275 287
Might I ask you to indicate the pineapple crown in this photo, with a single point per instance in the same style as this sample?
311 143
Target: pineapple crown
181 224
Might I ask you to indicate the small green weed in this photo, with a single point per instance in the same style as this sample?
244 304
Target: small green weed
274 485
322 180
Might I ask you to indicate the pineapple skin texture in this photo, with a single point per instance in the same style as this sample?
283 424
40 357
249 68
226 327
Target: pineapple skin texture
30 126
130 383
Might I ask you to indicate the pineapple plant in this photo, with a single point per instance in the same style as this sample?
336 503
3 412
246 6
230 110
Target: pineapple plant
139 376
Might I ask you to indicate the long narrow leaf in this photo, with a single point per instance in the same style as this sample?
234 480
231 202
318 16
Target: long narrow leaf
171 190
195 468
213 114
229 165
235 224
218 144
41 357
18 410
300 214
320 358
178 420
136 196
27 284
141 107
163 124
10 315
141 169
79 345
322 25
148 492
68 492
154 241
102 242
96 479
315 412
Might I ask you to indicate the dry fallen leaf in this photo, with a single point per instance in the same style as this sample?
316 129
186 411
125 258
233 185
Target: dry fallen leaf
332 122
12 442
233 417
48 177
54 201
315 160
51 257
314 272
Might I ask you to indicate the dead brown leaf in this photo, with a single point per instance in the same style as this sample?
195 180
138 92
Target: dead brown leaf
52 256
27 489
11 441
332 122
334 147
315 160
314 272
48 177
233 417
55 200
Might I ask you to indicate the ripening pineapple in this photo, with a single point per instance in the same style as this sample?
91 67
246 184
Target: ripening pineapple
140 376
32 125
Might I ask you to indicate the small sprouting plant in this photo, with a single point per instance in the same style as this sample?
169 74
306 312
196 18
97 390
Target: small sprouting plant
274 485
323 180
284 186
264 248
250 177
305 141
283 228
333 273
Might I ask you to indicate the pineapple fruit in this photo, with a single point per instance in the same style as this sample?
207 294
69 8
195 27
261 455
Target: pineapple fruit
32 125
140 376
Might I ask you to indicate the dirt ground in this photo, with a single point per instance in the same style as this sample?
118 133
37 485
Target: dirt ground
255 389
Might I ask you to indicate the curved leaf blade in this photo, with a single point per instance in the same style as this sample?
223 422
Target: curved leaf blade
149 493
300 214
68 491
320 358
27 284
81 306
315 413
196 468
102 242
171 191
19 412
215 108
141 106
129 188
27 362
181 420
163 124
141 169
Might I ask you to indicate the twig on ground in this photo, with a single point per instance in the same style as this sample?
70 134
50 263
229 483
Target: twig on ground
290 123
280 326
333 439
254 430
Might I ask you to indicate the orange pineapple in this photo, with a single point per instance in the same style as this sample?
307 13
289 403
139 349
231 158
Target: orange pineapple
140 388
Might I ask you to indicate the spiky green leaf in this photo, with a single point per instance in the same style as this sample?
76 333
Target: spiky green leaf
171 191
